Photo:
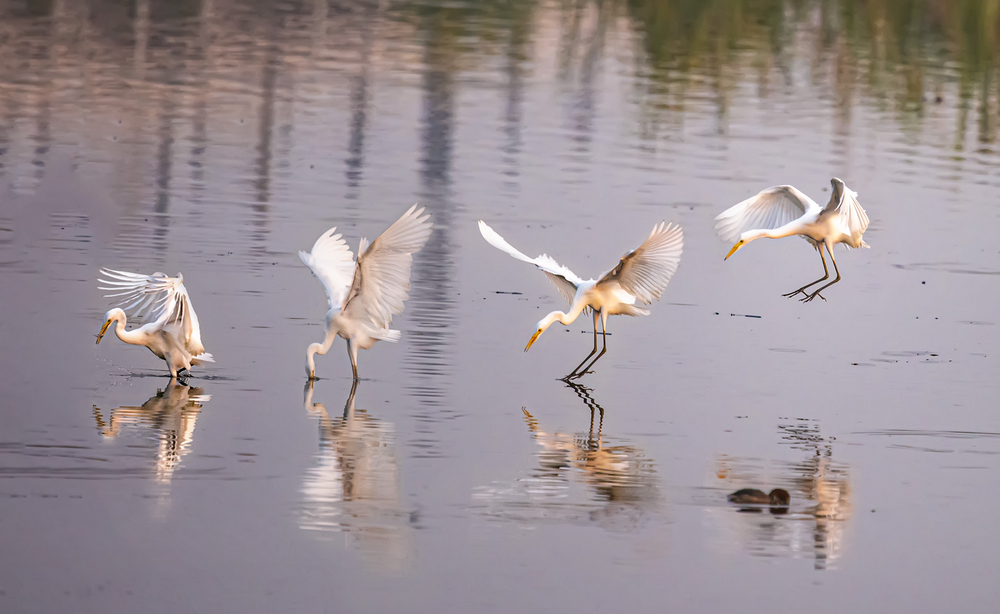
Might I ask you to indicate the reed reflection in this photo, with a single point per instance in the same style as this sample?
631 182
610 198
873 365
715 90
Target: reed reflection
814 524
353 487
170 414
621 486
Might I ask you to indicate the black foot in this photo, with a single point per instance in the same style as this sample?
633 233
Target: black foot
810 297
801 290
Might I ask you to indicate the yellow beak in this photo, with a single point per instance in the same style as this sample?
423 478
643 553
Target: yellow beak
738 245
532 340
104 329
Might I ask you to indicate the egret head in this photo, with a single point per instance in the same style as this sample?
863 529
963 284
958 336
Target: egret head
543 324
311 361
115 315
736 248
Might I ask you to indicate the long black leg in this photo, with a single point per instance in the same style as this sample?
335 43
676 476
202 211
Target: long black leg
592 352
604 336
817 292
826 275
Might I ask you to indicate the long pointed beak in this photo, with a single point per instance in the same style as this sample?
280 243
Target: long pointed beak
738 245
532 340
104 329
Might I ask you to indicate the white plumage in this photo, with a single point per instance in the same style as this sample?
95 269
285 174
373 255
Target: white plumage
641 275
172 333
784 210
364 295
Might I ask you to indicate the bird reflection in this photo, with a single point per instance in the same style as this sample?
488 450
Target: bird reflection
354 485
813 525
620 479
171 413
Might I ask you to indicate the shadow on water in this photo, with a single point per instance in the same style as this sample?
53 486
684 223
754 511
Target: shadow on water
620 483
170 414
354 485
821 503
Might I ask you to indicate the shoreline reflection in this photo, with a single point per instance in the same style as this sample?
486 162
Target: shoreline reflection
821 500
353 486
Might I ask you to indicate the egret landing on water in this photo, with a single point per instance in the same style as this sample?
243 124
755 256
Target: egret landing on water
783 211
641 275
364 295
173 334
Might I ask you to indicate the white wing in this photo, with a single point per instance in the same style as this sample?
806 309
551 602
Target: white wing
564 279
382 277
769 209
165 299
332 262
845 201
646 270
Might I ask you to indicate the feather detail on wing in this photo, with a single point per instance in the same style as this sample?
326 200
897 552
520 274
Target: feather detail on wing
165 299
645 271
769 209
844 200
565 280
332 262
381 280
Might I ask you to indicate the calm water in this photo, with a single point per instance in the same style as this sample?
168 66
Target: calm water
217 138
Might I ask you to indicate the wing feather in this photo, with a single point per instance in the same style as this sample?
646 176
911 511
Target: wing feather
645 271
332 262
844 200
163 299
565 280
768 209
381 281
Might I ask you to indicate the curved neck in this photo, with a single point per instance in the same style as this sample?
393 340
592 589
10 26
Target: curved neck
133 337
777 233
319 348
564 318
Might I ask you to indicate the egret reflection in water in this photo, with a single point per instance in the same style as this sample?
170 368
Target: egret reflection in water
353 486
171 414
622 486
814 524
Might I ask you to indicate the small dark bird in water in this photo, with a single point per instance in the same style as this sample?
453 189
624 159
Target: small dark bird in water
778 497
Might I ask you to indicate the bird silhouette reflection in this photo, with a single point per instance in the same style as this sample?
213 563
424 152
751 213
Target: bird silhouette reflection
353 486
815 519
171 414
620 482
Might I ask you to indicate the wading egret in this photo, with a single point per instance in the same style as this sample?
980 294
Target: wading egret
364 295
641 275
173 333
783 211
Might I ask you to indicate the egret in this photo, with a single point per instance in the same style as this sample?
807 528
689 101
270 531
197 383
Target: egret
364 295
783 211
640 276
173 333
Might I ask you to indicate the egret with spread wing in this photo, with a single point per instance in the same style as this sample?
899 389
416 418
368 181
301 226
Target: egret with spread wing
364 295
783 211
640 276
172 333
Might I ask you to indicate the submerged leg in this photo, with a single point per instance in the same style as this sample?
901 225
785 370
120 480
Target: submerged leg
604 336
826 274
817 292
592 352
352 351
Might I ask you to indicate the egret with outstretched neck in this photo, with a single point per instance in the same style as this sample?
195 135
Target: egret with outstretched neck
173 334
641 276
783 211
364 295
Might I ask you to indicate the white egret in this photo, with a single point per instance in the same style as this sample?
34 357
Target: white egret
641 275
783 211
364 295
173 333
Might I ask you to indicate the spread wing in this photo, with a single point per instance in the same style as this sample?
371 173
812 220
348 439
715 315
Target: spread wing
845 201
164 299
563 278
382 277
645 271
332 262
769 209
